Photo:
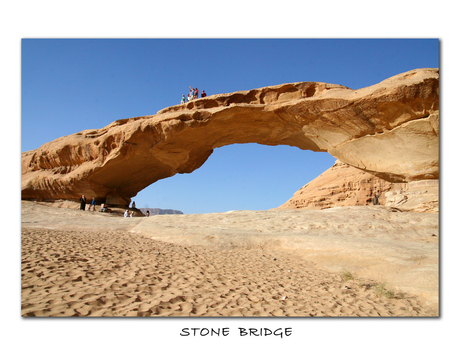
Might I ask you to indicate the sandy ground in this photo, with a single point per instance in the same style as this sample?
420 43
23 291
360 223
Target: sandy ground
344 262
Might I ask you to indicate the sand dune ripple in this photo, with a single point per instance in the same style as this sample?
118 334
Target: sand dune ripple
115 273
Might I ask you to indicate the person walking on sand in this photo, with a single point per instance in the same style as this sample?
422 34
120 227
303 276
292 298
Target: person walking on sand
126 213
82 202
148 213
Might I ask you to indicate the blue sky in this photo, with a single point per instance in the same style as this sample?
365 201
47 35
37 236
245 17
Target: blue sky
69 85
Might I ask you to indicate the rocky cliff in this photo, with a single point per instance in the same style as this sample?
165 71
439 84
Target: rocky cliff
389 130
344 185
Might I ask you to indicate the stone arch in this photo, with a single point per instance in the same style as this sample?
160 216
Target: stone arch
389 129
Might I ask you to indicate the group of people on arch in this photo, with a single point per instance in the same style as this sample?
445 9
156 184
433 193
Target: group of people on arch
192 95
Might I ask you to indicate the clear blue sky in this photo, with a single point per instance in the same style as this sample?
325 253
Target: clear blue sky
69 85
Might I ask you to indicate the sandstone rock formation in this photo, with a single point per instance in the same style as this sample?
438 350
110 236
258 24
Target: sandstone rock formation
389 129
344 185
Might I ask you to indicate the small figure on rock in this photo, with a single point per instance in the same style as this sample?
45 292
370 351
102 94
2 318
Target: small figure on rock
203 94
126 213
375 200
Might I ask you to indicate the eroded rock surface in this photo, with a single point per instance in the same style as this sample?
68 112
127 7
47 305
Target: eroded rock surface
389 129
343 185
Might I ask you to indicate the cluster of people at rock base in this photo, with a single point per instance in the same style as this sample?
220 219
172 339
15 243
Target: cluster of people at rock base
192 95
92 207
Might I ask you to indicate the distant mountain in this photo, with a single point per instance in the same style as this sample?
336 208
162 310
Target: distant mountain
155 211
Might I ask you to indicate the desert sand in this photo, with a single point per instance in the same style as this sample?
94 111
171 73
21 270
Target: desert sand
369 261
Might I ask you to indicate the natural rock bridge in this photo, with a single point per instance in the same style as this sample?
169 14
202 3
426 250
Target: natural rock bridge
389 129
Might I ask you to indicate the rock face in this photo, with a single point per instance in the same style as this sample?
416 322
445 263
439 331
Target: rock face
389 129
344 185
